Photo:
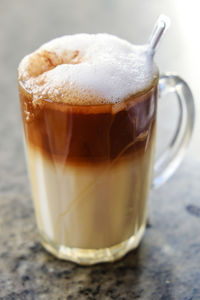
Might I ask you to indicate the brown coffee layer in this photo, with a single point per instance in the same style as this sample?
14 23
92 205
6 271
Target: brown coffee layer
89 134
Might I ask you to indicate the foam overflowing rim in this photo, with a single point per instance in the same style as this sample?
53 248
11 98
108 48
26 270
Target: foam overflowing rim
100 67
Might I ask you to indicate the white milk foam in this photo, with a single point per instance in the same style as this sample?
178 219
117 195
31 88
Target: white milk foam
86 69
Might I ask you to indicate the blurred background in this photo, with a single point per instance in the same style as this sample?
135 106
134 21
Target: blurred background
170 250
25 25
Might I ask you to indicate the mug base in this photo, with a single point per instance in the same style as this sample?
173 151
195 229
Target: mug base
92 256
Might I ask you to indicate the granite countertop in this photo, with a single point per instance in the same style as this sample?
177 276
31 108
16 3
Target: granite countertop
165 266
167 263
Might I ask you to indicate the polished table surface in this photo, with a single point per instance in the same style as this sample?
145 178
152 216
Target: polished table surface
167 263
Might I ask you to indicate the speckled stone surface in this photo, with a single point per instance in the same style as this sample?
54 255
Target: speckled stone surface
167 264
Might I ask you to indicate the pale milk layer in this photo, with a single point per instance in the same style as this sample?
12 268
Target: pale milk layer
90 207
85 69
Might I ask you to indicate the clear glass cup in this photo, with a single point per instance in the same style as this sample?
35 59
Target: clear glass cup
91 169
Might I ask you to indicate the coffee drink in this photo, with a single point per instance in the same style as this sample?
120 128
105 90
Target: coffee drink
89 107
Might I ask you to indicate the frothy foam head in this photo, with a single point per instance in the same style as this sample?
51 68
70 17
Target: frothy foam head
85 69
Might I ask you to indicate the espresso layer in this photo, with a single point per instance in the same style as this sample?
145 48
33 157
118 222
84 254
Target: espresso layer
89 134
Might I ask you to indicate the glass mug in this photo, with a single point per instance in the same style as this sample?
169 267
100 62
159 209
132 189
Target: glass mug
91 169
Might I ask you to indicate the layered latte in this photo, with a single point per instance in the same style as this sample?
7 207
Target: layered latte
89 106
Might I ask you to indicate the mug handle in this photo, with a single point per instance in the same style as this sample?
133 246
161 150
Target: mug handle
168 162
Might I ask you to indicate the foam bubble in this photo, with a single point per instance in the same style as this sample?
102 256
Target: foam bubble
87 69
